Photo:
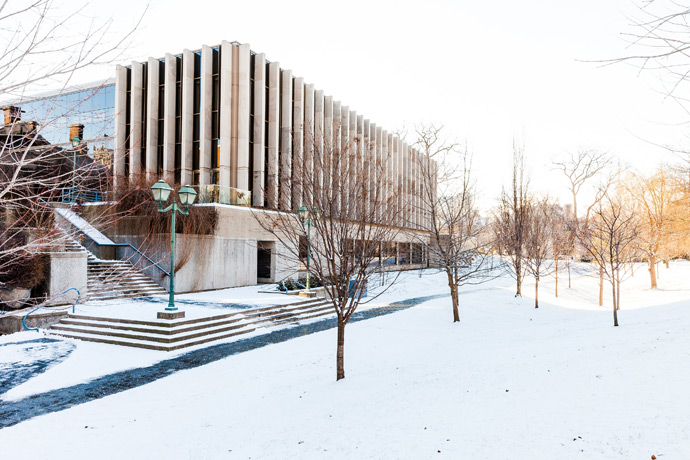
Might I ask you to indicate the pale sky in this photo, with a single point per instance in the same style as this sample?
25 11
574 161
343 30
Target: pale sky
487 71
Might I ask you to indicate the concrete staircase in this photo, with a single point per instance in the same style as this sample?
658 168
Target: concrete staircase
169 335
117 279
113 279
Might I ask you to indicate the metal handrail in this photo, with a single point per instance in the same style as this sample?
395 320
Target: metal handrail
135 250
38 308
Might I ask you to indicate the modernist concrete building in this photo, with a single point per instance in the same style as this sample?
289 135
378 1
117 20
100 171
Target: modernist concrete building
226 116
243 130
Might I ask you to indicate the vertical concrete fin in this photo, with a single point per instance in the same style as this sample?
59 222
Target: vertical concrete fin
205 115
285 140
136 122
187 141
273 135
259 128
226 114
152 115
243 116
169 118
120 149
298 141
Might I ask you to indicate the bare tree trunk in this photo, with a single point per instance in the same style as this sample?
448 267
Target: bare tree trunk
652 270
615 306
618 289
518 276
632 268
568 274
577 224
536 292
340 355
601 286
456 302
556 277
666 262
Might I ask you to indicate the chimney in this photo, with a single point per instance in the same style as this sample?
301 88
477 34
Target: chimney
33 125
13 114
76 130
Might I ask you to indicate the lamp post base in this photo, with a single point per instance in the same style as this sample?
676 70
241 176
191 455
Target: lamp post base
307 294
170 314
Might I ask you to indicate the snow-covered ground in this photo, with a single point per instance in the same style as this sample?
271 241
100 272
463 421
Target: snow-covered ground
508 382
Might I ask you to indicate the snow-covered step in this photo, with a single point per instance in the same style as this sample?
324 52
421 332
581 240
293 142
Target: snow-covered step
172 337
150 327
152 345
158 323
169 335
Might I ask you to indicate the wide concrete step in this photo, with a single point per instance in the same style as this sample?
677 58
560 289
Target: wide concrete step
152 345
316 314
157 323
288 317
151 328
171 338
122 295
171 335
285 310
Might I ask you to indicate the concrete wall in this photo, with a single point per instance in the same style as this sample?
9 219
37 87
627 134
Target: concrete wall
67 270
11 323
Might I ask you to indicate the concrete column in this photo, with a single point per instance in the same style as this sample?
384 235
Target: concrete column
258 186
226 114
273 134
418 186
135 121
353 187
243 107
286 141
317 154
386 176
308 160
120 127
205 109
371 159
364 158
405 184
327 148
169 119
187 135
397 189
336 157
413 188
344 158
152 96
359 164
400 186
297 142
380 183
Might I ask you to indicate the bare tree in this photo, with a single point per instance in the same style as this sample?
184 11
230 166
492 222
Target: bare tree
512 218
659 43
609 237
42 46
538 242
581 167
654 197
346 239
450 215
563 244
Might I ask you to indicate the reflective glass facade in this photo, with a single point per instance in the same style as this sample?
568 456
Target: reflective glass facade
93 107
